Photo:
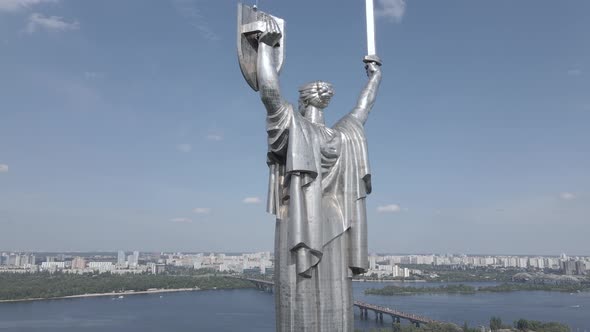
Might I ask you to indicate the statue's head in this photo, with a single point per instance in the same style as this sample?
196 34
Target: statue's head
317 94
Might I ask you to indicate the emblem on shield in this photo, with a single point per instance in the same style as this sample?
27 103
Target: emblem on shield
249 26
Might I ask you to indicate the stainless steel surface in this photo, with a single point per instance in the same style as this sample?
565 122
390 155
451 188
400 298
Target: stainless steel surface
370 27
249 28
319 178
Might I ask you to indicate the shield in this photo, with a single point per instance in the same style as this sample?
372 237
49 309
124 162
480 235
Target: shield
249 26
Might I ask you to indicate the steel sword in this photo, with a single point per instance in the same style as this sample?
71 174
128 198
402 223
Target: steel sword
370 27
371 51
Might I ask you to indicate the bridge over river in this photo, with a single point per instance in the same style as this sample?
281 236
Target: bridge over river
364 307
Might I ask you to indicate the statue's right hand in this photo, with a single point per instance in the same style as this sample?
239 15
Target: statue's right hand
272 35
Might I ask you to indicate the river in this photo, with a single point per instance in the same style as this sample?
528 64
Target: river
253 310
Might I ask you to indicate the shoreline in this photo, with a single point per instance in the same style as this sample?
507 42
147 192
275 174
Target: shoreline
388 280
149 291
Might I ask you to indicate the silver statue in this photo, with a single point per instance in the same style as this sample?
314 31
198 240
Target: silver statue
319 179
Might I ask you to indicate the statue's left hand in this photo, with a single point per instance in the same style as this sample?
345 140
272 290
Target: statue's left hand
372 68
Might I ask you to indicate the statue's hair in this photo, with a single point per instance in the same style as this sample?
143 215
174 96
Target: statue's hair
312 91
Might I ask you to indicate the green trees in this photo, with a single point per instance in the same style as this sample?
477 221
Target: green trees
432 327
533 325
45 285
466 328
522 324
399 290
495 323
467 289
513 287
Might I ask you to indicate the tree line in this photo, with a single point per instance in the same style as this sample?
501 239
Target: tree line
46 285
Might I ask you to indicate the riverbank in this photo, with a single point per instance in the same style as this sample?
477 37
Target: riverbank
116 294
389 280
30 287
401 290
468 289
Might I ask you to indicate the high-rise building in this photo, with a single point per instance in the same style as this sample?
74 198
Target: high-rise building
135 258
372 262
101 267
78 263
406 272
121 258
568 267
152 267
522 262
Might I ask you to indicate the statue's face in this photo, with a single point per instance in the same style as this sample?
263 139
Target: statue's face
317 94
324 95
321 102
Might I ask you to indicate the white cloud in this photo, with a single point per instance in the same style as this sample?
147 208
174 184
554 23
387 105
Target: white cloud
181 220
201 210
391 208
391 9
215 137
189 10
567 196
17 5
3 168
50 23
91 75
574 72
184 147
252 200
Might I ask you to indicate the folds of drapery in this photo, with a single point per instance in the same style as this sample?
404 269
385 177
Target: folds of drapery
356 183
296 187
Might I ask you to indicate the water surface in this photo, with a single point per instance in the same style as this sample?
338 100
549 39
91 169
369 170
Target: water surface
253 310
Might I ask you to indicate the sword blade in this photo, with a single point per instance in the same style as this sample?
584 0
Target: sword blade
370 28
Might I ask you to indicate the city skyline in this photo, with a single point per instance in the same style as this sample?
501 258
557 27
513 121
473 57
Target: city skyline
380 265
142 134
230 253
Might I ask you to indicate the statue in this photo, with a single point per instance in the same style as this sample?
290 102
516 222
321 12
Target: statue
318 182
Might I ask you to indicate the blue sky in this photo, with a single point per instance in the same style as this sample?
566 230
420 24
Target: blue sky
128 125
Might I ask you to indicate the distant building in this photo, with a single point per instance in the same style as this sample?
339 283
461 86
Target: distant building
568 267
133 260
522 262
78 263
101 267
197 264
406 272
156 268
372 262
152 267
121 258
136 257
52 266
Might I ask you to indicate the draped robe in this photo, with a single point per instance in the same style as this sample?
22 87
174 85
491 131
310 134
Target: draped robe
319 178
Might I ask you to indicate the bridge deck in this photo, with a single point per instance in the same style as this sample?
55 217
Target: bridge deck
392 312
376 308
